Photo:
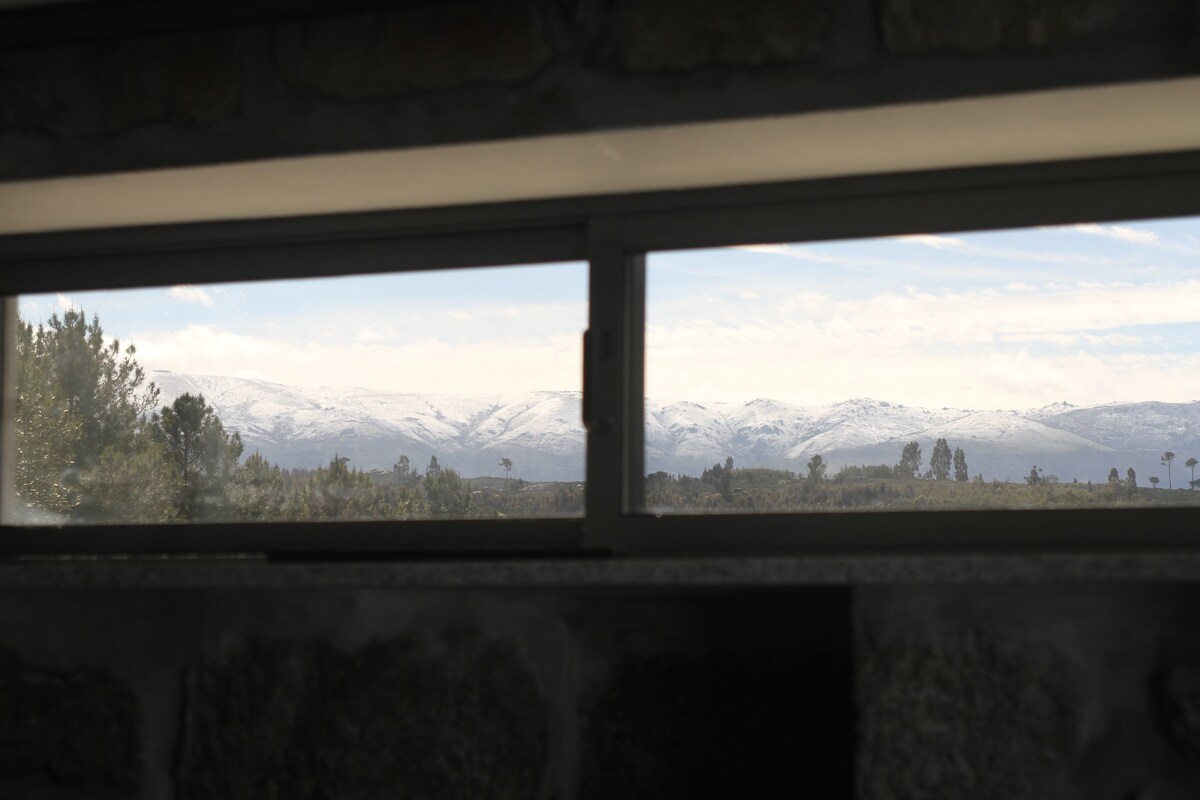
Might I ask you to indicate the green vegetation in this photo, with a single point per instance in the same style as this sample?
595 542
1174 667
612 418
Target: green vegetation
882 487
91 447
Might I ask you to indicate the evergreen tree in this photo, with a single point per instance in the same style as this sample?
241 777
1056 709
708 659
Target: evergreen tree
1167 458
910 461
960 465
1131 480
721 477
201 456
506 464
1191 464
258 491
77 399
1113 477
132 486
940 460
447 494
816 469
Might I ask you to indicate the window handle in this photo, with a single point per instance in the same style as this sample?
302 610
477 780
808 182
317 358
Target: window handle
595 349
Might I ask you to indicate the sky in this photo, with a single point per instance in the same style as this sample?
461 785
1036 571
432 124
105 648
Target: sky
1014 319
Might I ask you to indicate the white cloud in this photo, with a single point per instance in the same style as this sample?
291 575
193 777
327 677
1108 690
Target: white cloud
425 365
367 334
1004 347
930 240
192 294
1125 234
65 303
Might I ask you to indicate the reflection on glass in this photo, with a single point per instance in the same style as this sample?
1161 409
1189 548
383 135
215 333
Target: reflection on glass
450 394
1046 367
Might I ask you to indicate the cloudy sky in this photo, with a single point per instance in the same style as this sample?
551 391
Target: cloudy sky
1017 319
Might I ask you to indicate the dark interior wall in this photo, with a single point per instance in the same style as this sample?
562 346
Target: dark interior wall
106 86
1067 691
362 693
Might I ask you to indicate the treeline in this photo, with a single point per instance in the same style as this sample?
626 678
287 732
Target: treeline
93 446
894 487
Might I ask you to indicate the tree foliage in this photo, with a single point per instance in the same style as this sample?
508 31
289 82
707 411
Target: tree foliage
201 456
961 472
816 469
910 460
1167 458
80 401
940 460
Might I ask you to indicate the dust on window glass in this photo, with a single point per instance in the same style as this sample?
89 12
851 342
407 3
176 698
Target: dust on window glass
447 394
1041 367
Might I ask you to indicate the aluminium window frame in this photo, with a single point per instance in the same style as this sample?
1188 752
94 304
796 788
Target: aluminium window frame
613 234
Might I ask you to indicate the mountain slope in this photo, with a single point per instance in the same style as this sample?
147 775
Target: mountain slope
542 434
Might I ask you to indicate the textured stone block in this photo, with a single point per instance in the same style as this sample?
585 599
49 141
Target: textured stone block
413 49
718 725
1181 696
911 26
24 107
659 35
461 718
961 716
192 78
76 728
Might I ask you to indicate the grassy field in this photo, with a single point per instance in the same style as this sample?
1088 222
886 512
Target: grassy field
765 491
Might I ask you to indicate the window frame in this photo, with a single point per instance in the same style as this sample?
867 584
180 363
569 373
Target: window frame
613 234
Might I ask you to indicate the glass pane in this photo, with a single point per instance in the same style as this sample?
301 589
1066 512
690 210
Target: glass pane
447 394
1042 367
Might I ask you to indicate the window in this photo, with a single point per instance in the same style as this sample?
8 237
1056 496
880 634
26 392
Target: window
451 394
1047 367
630 243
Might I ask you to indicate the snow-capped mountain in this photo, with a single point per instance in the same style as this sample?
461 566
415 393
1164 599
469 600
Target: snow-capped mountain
542 434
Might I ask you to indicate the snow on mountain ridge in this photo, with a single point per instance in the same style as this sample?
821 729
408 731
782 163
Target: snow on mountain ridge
541 431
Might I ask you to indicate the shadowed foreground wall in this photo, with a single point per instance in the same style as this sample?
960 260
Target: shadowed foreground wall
372 693
1084 690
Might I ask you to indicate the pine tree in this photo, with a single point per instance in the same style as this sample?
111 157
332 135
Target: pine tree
940 460
448 495
258 491
1191 464
960 465
1167 458
79 401
910 461
201 456
816 469
506 464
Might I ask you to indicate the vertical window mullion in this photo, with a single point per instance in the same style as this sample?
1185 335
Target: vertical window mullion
614 381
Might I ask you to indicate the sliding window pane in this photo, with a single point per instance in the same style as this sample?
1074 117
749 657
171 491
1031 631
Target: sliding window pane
446 394
1042 367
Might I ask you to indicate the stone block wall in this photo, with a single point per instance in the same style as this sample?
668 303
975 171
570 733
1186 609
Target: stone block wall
390 693
881 692
1027 691
420 73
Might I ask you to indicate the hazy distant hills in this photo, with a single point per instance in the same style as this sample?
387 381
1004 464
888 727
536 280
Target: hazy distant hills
542 434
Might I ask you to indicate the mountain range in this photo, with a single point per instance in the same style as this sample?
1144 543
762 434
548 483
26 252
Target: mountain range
542 434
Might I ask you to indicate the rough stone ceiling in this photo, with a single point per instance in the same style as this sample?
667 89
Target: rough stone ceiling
1124 119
